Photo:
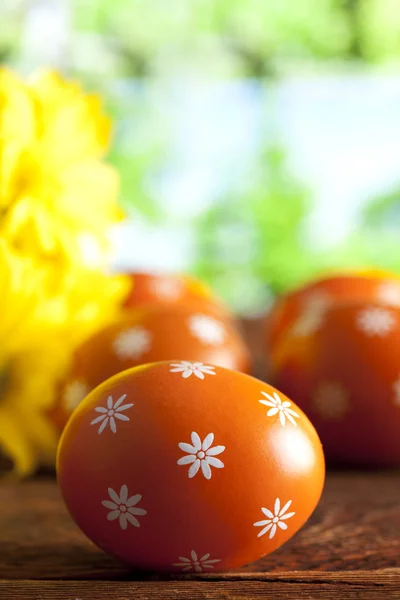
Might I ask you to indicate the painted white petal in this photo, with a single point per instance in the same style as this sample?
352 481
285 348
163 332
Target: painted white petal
133 500
267 513
204 557
103 426
187 448
286 404
206 469
98 419
186 569
132 520
272 532
193 555
113 515
266 403
277 398
119 401
216 450
271 398
207 442
113 426
186 374
291 412
282 418
214 462
194 468
101 409
272 412
265 530
121 417
198 374
277 507
287 516
137 511
110 505
187 460
123 494
197 569
183 559
114 496
290 418
208 371
284 509
214 560
122 521
282 525
196 441
178 368
109 402
124 407
262 523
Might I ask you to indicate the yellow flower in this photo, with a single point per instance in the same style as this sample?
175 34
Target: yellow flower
57 202
54 184
40 325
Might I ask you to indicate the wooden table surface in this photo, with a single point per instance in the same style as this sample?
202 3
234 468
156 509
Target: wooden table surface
349 549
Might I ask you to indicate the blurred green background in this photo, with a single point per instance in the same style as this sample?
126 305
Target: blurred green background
258 141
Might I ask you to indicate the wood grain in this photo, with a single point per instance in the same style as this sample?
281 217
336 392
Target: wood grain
361 587
349 549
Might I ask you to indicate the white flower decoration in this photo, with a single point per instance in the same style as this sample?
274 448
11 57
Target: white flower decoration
389 293
192 368
168 289
275 519
279 407
200 454
109 414
74 393
375 321
132 343
207 330
396 390
124 508
195 564
313 314
331 401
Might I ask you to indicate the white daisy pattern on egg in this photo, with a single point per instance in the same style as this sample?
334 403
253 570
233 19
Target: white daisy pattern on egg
200 454
132 343
275 519
331 401
375 321
313 314
195 564
167 289
389 293
192 368
396 392
207 329
74 393
279 407
123 507
110 413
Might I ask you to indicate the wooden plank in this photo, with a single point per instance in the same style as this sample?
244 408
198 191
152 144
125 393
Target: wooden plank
362 586
356 527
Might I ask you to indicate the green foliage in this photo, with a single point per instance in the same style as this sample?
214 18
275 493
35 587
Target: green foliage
252 245
239 37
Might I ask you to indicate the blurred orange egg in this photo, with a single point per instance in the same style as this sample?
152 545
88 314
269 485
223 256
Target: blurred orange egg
171 289
340 362
149 335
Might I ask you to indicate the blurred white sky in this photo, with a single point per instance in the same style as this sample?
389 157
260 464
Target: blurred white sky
341 133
